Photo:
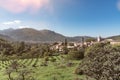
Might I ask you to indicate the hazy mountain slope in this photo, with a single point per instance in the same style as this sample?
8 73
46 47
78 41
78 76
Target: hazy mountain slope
117 37
29 34
5 37
78 38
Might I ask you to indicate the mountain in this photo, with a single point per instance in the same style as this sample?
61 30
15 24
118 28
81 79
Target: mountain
117 37
6 31
29 34
5 37
78 38
33 35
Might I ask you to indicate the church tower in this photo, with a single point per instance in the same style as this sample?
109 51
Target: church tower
99 39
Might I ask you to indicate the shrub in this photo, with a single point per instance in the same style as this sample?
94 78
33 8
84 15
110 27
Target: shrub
44 63
46 58
69 64
52 59
101 63
76 55
95 48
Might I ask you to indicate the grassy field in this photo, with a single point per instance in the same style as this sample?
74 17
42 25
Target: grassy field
57 70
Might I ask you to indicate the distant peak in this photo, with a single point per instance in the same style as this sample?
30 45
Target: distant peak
46 31
9 29
27 29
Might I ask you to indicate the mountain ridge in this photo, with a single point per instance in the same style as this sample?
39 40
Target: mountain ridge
5 37
30 34
116 37
33 35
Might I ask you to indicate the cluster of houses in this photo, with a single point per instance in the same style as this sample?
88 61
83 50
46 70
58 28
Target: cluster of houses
70 45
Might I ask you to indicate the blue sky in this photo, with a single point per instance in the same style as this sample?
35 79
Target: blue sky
68 17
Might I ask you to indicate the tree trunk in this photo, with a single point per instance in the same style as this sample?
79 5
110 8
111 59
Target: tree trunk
23 77
9 75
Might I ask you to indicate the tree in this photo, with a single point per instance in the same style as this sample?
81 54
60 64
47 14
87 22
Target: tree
65 49
95 48
101 63
14 65
65 43
25 74
90 40
76 54
9 72
20 47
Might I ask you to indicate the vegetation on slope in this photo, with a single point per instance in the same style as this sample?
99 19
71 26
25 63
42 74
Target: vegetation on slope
32 35
102 62
115 37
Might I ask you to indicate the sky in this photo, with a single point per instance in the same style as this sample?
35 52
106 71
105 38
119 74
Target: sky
68 17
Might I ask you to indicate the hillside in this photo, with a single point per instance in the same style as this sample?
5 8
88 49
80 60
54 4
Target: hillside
115 37
5 37
29 34
78 38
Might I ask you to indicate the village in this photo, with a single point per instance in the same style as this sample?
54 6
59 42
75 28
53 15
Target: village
71 45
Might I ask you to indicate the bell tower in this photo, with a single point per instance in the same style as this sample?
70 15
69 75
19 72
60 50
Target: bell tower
99 39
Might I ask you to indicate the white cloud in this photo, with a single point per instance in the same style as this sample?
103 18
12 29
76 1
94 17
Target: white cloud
17 21
12 22
8 23
118 4
19 6
18 24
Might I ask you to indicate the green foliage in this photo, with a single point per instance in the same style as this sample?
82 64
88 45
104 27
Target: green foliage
76 55
9 72
95 48
101 62
6 48
22 73
24 50
90 39
45 63
44 70
25 74
19 48
14 65
65 50
18 58
46 58
52 59
115 37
